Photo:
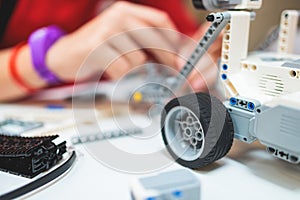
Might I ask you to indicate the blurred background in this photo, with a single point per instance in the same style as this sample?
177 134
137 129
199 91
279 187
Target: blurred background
267 18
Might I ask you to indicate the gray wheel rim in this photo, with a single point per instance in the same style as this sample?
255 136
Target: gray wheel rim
184 133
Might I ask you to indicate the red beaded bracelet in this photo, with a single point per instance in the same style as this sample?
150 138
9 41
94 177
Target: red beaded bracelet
14 72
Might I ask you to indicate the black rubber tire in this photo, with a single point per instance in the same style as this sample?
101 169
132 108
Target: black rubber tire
198 4
216 123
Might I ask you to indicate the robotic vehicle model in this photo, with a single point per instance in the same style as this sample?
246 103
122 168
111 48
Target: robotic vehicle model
262 92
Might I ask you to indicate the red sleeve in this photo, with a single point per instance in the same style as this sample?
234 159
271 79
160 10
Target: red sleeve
176 9
30 15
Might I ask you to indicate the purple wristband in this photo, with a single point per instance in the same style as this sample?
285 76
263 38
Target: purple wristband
39 42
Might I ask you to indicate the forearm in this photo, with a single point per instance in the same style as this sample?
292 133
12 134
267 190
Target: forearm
65 56
10 89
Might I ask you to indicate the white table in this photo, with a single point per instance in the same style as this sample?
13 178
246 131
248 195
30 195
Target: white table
248 172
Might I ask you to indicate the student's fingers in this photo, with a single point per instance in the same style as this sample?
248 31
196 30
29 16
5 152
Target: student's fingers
119 18
208 82
157 18
204 79
149 15
108 60
152 41
118 68
129 49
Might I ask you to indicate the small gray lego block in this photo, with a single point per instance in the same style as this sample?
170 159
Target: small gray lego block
278 128
243 122
174 185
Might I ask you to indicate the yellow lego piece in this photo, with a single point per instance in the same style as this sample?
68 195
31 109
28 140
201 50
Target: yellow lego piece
137 97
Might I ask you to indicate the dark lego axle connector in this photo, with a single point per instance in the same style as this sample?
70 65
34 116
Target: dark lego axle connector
29 156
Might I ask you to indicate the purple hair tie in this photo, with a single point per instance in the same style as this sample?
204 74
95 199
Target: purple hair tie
39 42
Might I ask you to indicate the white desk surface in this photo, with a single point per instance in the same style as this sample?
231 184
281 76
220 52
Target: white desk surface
247 172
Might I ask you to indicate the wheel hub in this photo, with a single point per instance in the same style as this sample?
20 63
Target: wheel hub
184 133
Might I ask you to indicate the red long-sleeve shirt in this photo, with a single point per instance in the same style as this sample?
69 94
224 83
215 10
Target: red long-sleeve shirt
29 15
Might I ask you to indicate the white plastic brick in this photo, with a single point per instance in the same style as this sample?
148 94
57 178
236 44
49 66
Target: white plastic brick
288 31
250 4
235 41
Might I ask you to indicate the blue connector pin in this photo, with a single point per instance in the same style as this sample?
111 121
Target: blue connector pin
151 198
224 76
232 101
177 194
225 67
251 106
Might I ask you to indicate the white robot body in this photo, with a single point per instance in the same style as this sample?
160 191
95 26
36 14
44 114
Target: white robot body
263 89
